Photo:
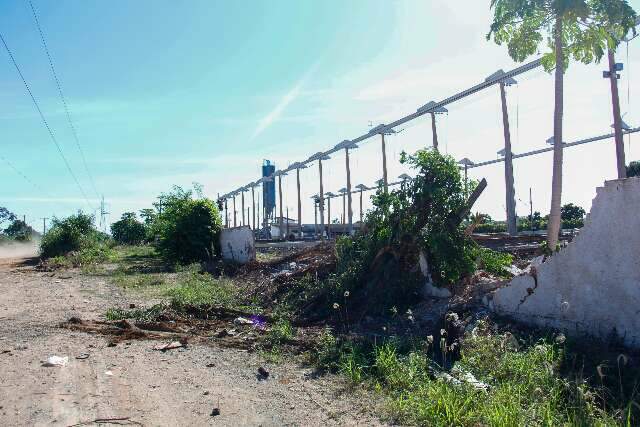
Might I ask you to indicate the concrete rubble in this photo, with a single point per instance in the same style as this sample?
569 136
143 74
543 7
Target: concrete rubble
592 286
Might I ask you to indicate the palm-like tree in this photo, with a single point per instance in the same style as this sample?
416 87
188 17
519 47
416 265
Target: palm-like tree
573 28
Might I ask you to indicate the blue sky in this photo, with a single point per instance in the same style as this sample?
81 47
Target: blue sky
165 92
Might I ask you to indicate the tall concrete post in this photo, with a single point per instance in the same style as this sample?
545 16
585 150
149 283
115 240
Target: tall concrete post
344 208
361 211
617 120
242 202
434 131
234 211
253 207
315 217
226 213
321 201
384 164
349 198
299 204
512 227
280 223
329 218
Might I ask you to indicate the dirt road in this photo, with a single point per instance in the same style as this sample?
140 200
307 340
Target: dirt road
132 384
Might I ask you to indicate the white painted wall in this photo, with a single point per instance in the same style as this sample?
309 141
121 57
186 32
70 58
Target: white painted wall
593 285
238 244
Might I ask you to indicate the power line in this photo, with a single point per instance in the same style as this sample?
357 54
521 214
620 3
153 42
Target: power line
16 170
44 121
63 99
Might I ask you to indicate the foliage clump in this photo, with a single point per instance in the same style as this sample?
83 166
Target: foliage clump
76 239
186 229
128 230
421 216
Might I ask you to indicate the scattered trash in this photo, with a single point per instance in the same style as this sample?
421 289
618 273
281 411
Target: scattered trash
108 373
82 356
263 374
56 361
243 321
211 365
206 393
169 346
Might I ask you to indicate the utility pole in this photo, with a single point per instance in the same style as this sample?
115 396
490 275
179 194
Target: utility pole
617 120
287 235
44 226
512 227
361 187
430 107
328 216
315 216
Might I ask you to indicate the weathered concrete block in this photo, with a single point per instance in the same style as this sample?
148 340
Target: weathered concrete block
593 285
238 244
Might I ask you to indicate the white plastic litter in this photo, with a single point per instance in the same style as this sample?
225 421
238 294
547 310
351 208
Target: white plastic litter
56 361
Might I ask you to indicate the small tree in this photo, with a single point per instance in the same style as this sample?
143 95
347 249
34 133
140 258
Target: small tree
188 229
128 230
633 169
19 230
571 212
577 28
6 215
68 234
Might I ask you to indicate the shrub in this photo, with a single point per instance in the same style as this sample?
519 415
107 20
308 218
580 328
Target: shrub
128 230
68 234
74 241
417 217
633 169
20 231
188 229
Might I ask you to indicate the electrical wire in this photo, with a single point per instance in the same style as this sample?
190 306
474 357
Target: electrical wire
63 99
44 120
19 172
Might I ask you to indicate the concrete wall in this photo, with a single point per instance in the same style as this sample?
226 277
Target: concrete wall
593 285
238 244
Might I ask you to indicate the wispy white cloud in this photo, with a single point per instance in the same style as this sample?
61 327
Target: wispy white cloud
287 99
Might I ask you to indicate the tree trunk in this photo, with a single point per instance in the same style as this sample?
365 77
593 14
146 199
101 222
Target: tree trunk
617 120
553 228
512 227
434 131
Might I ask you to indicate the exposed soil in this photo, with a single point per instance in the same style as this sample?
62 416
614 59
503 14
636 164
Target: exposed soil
126 381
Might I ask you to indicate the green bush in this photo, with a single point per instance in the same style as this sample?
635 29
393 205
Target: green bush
68 234
633 169
20 231
74 241
188 229
128 230
420 216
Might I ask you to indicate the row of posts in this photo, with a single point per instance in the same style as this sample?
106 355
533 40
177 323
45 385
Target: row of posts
433 110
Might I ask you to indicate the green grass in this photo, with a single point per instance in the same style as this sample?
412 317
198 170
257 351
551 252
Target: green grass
531 384
135 313
196 289
138 280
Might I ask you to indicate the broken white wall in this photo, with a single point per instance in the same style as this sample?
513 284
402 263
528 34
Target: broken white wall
238 244
593 285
